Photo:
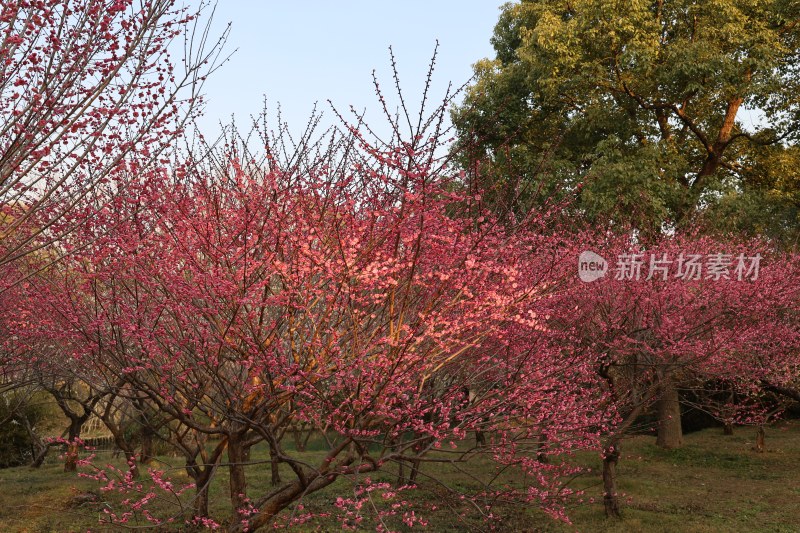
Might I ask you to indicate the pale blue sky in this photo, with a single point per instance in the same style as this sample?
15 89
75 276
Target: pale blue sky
300 52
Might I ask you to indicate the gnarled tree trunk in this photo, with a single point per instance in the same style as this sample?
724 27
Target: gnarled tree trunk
670 434
610 497
238 481
71 456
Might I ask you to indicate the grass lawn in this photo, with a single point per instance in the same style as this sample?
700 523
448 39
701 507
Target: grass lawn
715 483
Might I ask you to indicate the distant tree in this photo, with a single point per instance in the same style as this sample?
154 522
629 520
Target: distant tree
662 109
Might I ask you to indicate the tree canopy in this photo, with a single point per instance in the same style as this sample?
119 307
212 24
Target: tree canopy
654 112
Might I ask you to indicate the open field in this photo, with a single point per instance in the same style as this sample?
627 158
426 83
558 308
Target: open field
715 483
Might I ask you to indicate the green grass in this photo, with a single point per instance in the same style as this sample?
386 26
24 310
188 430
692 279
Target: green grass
715 483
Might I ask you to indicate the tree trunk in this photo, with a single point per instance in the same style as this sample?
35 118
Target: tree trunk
307 438
412 478
273 460
401 473
133 467
276 473
760 435
39 447
610 497
202 483
396 447
71 457
147 454
728 429
126 448
480 439
202 475
541 453
420 449
40 456
297 435
238 482
280 501
670 434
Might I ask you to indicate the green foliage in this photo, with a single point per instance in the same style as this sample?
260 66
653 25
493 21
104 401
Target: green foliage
664 110
16 444
770 202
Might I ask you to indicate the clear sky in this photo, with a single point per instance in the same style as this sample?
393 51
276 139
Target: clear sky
298 52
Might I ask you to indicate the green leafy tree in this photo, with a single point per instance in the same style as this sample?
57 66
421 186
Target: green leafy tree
653 111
